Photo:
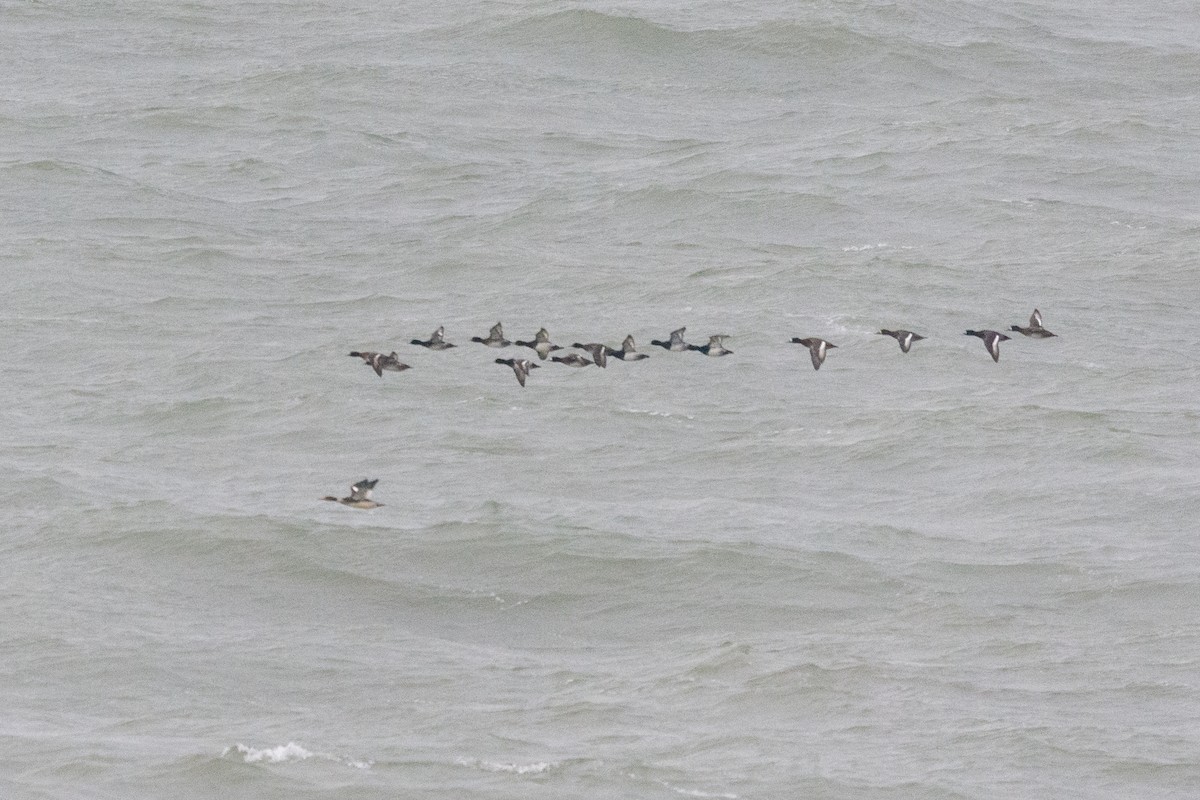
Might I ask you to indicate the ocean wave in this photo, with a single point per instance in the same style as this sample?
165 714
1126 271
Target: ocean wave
696 792
285 753
594 30
271 755
815 48
512 768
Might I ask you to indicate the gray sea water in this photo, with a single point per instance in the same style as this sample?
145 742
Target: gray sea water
901 576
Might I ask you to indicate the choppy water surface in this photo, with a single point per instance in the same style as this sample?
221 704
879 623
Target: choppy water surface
922 575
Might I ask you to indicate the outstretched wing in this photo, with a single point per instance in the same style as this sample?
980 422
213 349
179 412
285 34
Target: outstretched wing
817 353
362 489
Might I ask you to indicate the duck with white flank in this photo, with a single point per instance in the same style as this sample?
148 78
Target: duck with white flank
715 346
1035 329
541 344
816 349
437 340
379 362
599 353
572 360
991 340
520 367
495 337
905 338
628 351
360 495
676 344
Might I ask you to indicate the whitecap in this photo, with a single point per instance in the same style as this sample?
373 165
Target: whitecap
288 752
697 792
272 755
534 768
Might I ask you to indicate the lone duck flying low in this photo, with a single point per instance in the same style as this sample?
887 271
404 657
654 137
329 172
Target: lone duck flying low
360 495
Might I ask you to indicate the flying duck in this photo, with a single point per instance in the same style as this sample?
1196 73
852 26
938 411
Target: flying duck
905 338
599 353
541 344
628 351
495 337
1035 329
572 360
676 344
991 340
360 495
715 346
436 340
816 349
379 362
520 366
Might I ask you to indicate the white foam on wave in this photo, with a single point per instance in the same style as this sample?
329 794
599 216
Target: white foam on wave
535 768
683 791
287 752
656 413
272 755
697 792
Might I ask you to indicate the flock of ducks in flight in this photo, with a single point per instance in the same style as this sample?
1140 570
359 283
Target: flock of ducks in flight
360 493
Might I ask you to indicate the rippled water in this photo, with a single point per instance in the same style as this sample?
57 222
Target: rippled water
922 575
